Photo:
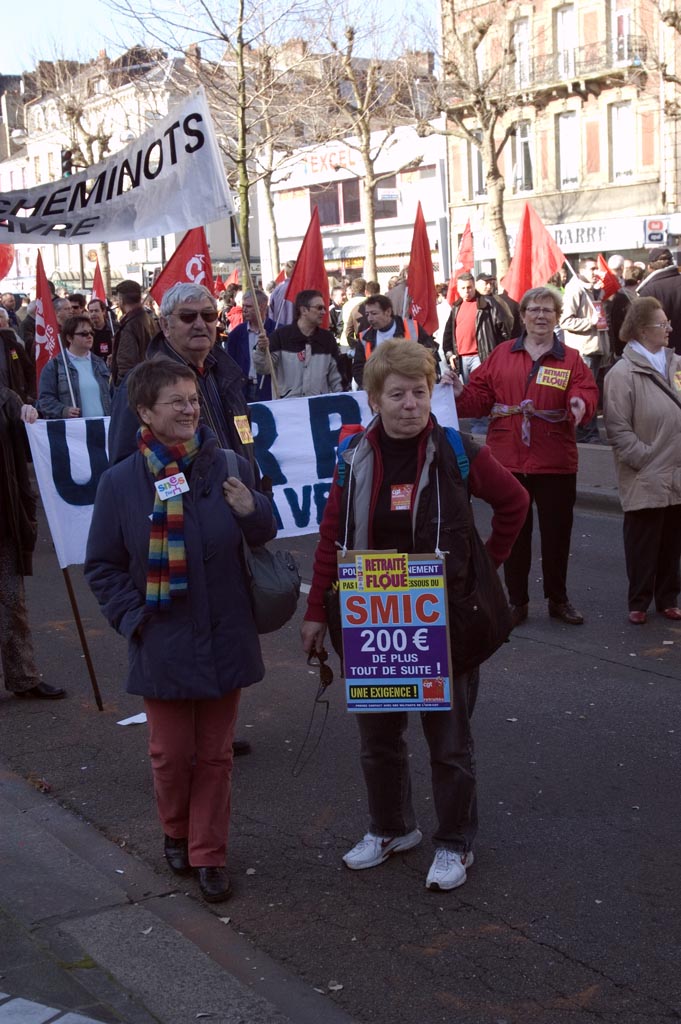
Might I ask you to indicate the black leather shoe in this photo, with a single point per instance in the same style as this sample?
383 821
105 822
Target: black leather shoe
566 612
177 855
214 884
518 614
41 691
241 747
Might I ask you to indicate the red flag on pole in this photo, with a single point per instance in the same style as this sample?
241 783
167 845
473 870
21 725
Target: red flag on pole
98 291
190 262
310 271
464 263
233 277
420 279
610 283
219 286
46 326
281 276
536 257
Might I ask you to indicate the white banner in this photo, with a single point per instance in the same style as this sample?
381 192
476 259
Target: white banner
170 179
295 443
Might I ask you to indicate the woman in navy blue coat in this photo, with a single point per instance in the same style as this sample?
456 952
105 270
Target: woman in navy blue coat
164 560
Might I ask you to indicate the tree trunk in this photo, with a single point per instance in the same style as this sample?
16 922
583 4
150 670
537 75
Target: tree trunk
105 267
271 225
241 151
495 184
369 225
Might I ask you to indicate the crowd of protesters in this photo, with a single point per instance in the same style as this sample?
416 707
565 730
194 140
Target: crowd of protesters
177 380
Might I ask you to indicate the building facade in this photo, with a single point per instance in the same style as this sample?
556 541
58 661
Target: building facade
328 177
592 118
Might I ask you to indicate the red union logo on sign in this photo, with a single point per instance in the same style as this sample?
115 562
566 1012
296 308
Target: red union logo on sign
196 269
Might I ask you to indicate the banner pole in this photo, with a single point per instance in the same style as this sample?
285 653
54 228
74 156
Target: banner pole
83 640
66 368
251 288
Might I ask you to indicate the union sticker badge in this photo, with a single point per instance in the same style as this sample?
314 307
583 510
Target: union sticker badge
553 377
677 380
244 429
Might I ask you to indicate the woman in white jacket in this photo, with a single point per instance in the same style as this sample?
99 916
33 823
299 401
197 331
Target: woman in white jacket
643 421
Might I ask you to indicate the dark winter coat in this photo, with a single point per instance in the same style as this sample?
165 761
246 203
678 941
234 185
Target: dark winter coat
490 328
207 644
18 521
367 343
665 286
130 343
237 347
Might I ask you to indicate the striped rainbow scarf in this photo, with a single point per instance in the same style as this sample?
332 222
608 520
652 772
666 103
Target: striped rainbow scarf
167 571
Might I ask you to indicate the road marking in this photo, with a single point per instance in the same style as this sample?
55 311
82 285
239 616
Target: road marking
25 1011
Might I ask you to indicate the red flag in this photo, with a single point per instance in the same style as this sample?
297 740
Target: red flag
98 291
233 277
281 276
464 263
310 271
46 326
189 262
219 286
610 282
420 279
536 257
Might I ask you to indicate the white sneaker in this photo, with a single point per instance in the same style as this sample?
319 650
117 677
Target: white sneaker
448 870
373 850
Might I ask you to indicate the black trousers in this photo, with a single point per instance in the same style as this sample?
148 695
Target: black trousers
652 548
554 495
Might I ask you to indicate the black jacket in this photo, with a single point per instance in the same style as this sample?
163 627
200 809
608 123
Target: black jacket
665 286
18 521
367 343
490 329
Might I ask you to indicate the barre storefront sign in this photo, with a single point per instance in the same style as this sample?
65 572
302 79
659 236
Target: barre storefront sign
295 445
170 179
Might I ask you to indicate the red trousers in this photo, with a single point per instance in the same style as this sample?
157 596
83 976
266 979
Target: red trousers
190 746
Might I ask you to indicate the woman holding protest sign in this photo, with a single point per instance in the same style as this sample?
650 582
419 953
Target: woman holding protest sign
164 559
403 485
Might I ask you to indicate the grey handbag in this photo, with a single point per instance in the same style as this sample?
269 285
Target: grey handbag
274 576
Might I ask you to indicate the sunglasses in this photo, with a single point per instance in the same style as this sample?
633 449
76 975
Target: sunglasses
320 657
83 334
188 316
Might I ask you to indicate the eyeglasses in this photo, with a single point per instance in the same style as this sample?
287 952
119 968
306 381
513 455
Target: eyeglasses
180 404
320 658
536 310
188 316
83 334
319 309
666 323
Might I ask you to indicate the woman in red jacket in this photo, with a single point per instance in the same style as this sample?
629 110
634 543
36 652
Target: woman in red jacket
535 390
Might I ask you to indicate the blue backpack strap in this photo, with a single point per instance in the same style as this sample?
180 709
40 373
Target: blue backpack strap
343 447
454 438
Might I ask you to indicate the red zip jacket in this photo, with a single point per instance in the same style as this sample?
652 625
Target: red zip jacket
509 376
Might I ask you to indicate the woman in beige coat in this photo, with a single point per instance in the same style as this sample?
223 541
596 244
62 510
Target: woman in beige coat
643 420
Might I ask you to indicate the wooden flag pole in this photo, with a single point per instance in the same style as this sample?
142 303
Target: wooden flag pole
251 288
83 640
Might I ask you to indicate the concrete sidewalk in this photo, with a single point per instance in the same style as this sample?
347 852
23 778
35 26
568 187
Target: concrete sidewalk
89 933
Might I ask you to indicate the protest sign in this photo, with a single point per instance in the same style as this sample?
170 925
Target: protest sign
395 635
295 445
169 179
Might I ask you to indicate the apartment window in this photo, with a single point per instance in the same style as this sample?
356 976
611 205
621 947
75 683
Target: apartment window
622 35
476 170
384 209
521 52
154 243
132 245
523 157
565 29
567 131
622 134
51 166
337 202
36 169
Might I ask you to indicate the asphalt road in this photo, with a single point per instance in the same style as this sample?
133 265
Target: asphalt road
571 911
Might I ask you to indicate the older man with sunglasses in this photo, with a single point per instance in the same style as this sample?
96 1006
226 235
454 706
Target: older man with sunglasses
188 332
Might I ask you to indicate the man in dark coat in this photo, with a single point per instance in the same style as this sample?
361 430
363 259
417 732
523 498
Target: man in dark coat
664 284
134 331
384 324
242 340
18 532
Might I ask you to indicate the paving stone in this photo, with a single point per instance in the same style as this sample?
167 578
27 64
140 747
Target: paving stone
23 1011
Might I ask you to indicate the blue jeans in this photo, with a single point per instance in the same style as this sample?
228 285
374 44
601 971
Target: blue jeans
468 364
385 763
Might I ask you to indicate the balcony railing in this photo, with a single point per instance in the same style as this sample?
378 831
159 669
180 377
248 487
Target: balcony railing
572 63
